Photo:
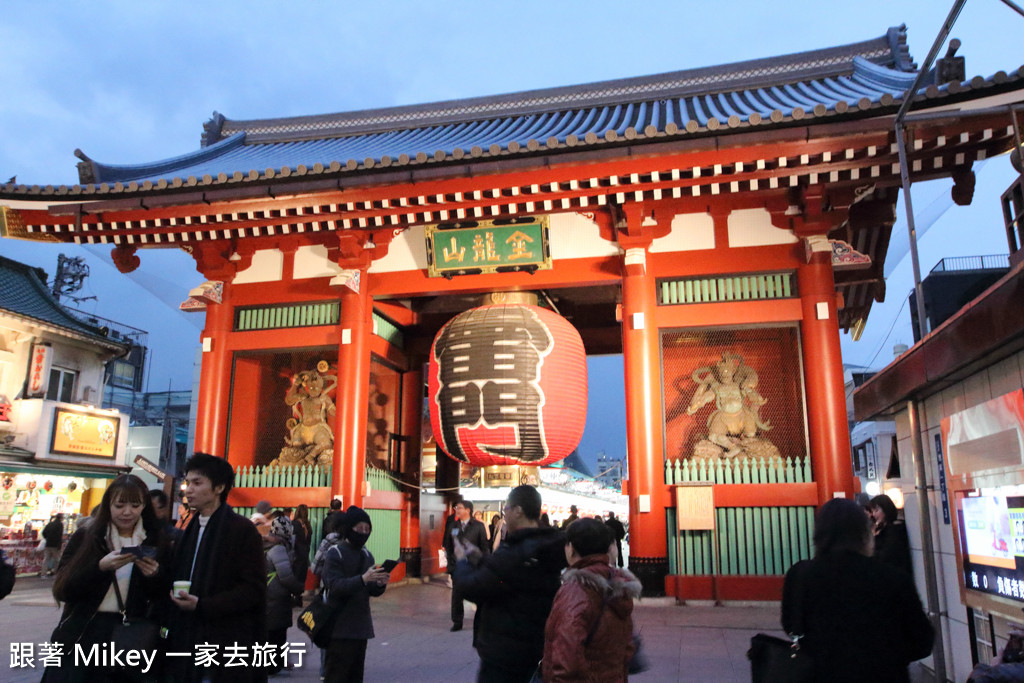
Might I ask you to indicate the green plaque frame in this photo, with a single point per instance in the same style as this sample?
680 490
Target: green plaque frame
500 246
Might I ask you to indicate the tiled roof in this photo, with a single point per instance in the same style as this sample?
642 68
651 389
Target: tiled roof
23 293
861 80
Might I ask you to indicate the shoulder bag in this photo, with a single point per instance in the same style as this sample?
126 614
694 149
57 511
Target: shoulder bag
133 634
317 620
777 660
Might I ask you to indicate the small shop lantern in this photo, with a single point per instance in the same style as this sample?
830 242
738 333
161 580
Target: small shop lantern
507 385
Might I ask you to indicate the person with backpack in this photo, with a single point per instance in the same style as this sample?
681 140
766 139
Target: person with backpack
282 583
351 577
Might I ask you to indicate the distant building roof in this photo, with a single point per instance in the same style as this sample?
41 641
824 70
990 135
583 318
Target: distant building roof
861 80
23 293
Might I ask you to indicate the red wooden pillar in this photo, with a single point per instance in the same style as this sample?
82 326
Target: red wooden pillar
648 494
823 365
352 395
412 412
214 397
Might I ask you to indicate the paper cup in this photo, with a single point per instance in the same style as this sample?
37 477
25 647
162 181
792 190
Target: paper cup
182 586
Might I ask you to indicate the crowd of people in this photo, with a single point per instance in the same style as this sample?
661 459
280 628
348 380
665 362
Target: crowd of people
552 603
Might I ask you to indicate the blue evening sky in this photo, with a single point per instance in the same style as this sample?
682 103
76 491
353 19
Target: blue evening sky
132 82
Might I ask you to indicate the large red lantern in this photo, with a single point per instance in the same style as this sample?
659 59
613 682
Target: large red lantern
508 386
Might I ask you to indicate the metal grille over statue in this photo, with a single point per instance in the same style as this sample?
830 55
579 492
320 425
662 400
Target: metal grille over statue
734 424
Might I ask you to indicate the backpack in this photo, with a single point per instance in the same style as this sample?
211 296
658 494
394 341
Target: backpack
7 574
320 559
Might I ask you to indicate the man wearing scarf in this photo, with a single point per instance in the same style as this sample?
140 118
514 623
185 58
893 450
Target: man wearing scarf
221 553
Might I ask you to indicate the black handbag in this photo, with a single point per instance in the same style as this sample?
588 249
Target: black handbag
134 633
777 660
317 620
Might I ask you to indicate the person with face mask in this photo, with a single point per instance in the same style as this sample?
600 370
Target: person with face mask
351 577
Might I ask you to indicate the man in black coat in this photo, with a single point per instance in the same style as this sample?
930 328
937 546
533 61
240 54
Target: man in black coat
332 518
619 532
53 536
471 531
513 590
221 553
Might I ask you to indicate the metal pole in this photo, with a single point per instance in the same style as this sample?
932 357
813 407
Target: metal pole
1014 7
916 415
901 146
917 449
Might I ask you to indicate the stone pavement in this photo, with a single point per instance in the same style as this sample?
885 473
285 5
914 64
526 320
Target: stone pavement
413 644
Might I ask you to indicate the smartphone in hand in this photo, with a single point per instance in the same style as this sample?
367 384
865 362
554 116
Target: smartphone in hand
389 565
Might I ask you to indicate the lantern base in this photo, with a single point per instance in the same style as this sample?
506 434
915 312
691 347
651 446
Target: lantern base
497 476
652 572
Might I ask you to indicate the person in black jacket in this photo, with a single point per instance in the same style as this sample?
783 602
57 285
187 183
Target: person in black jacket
891 543
861 620
53 537
619 532
471 531
351 578
221 553
513 590
95 578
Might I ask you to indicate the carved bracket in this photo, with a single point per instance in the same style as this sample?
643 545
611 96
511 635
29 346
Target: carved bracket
125 258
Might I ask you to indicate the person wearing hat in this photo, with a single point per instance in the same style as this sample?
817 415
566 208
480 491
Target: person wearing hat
260 518
282 583
351 576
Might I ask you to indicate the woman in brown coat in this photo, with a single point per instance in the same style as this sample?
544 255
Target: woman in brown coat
589 634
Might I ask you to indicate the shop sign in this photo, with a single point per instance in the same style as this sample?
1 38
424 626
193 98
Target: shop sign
8 497
151 467
39 370
488 247
78 433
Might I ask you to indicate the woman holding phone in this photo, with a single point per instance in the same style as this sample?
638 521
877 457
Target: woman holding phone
112 566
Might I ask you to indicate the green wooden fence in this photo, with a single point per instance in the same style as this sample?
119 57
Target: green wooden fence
387 524
382 480
748 471
386 540
280 316
316 520
750 541
719 289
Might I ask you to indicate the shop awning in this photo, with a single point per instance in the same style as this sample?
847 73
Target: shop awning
57 468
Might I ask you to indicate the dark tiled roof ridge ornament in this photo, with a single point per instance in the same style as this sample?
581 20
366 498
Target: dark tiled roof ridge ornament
213 130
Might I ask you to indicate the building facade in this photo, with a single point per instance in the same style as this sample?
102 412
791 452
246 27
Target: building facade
58 447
